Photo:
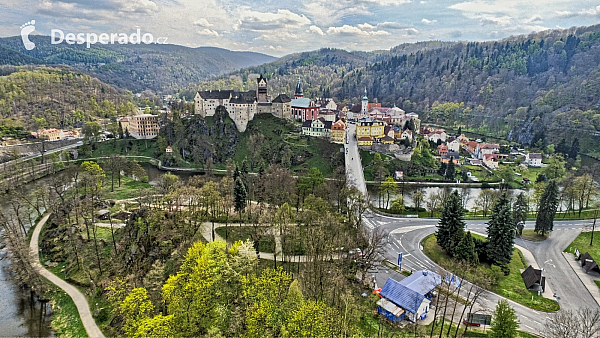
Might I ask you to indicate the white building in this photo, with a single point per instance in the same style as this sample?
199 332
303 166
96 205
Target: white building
533 159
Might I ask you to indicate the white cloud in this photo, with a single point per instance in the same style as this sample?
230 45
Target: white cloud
202 22
535 18
595 11
428 22
412 31
208 32
327 12
366 30
260 21
315 29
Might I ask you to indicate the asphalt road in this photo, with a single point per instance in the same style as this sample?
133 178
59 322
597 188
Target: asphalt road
406 235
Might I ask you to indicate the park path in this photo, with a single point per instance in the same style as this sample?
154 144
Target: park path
78 298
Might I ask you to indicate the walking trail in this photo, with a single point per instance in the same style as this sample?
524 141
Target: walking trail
78 298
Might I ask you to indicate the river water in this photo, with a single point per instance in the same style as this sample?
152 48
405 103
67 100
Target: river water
20 314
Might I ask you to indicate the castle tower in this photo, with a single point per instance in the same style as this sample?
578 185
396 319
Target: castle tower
261 90
299 92
365 105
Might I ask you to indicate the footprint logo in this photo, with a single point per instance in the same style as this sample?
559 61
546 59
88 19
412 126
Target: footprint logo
26 29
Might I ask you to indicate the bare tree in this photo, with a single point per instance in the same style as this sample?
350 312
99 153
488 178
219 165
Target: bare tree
376 240
563 324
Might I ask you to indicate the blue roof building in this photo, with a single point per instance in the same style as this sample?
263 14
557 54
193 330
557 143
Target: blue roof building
410 298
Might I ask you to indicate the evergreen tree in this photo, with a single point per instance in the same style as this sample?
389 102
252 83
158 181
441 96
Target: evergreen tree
236 173
504 321
459 131
451 170
520 209
120 130
465 250
451 226
501 232
547 210
239 195
574 151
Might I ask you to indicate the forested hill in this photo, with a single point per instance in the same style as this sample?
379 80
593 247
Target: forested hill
41 97
543 86
159 68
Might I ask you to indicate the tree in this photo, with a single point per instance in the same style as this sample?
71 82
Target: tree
556 168
465 250
91 131
239 196
574 151
418 199
507 175
450 228
451 170
501 232
520 210
387 189
485 200
504 321
544 221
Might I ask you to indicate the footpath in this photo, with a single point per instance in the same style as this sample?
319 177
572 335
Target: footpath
78 298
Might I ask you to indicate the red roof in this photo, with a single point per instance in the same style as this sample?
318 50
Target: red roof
365 138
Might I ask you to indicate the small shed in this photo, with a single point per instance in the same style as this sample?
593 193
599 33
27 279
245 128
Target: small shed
531 277
103 214
588 263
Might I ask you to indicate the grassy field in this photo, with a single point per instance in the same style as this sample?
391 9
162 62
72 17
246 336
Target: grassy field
128 146
511 286
531 235
128 189
597 283
582 243
65 320
238 233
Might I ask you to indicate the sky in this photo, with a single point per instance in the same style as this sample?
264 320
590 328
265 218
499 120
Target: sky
279 27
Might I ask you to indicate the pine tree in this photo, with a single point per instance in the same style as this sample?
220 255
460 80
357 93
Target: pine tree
465 250
520 209
504 321
574 151
501 232
451 170
451 226
547 210
239 195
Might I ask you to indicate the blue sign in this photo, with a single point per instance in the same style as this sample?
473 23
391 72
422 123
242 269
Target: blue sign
400 259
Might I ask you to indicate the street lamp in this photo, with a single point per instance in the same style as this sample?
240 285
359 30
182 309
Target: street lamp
542 272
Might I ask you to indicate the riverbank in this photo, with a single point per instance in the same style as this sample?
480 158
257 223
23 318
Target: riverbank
63 321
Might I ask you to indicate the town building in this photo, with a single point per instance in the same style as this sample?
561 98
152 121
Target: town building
407 135
533 159
144 126
282 106
450 155
365 141
442 149
453 144
124 121
410 298
338 132
437 135
368 127
50 134
317 128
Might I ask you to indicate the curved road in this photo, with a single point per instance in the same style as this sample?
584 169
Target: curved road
406 235
78 298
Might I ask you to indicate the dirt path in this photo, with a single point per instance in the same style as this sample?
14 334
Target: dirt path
78 298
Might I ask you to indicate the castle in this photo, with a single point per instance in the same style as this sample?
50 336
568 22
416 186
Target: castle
242 106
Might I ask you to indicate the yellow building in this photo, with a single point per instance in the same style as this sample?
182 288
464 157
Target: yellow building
51 134
365 141
368 127
338 132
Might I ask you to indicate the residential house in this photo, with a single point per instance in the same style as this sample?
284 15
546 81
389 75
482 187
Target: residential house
169 151
485 149
124 121
453 145
410 298
438 135
338 132
533 159
407 134
317 128
50 134
442 149
143 126
365 141
399 175
328 115
450 155
491 160
471 147
389 131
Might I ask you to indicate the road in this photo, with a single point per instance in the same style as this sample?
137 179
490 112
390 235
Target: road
354 171
406 235
78 298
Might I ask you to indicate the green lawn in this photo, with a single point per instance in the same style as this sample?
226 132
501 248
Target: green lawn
582 243
238 233
531 235
597 283
511 286
65 320
127 146
128 189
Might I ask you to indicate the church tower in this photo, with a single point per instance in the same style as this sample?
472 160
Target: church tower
299 92
365 105
261 90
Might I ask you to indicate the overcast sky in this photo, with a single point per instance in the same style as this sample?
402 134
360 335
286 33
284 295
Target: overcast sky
279 27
